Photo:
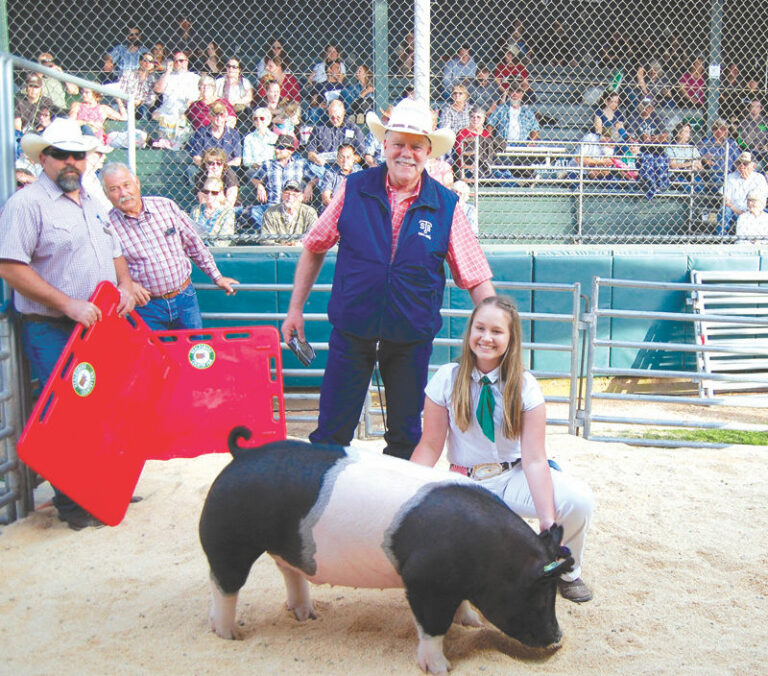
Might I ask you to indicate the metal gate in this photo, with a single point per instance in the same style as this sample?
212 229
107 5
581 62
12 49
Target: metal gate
620 424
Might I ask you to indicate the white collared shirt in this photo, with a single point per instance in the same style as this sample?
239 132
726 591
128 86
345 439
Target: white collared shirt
473 447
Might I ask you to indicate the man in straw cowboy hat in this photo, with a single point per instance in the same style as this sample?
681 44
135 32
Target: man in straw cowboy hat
395 227
55 247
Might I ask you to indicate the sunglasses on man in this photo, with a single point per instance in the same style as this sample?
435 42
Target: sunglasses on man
61 155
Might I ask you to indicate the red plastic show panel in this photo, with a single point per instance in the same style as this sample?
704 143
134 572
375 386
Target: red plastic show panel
89 430
227 377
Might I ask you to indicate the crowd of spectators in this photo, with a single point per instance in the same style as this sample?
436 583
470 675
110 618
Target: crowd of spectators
271 126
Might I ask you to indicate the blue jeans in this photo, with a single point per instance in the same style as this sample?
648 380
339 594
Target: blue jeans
179 312
403 368
43 344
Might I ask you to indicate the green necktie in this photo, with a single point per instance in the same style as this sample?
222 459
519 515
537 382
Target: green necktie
485 409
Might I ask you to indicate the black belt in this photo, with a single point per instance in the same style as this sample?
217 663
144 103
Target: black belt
39 319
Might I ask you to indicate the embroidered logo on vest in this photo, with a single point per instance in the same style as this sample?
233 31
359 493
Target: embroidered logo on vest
425 229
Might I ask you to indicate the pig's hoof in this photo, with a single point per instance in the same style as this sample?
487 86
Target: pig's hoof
467 616
430 656
303 612
226 632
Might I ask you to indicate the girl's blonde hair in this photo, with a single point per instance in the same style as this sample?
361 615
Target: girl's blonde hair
510 372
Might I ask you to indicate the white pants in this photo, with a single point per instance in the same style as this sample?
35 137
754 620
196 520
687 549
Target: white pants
574 505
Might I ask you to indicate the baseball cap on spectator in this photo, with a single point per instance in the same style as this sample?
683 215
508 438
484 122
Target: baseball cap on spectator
292 186
514 85
745 158
285 141
35 80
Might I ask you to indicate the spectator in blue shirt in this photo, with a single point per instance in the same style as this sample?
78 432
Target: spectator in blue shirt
217 135
718 155
336 174
461 67
125 57
326 138
512 120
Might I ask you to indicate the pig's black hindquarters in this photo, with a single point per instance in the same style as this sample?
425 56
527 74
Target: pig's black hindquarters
248 511
479 550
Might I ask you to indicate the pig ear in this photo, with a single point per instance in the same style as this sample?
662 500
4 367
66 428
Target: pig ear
552 537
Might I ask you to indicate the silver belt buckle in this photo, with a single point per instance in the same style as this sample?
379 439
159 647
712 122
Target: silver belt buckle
486 470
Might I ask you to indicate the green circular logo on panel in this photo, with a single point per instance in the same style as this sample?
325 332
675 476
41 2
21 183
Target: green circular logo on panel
83 379
201 356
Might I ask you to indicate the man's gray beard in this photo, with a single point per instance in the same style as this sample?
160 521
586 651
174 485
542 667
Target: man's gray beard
68 180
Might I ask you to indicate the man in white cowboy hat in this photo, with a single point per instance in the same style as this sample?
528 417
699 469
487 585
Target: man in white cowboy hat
395 227
55 247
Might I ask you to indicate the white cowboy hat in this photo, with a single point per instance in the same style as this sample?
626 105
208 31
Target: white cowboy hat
412 117
63 134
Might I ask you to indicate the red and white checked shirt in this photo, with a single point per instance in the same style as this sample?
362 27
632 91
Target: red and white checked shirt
465 258
159 243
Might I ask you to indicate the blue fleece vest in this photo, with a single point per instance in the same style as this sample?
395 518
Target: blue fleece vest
374 297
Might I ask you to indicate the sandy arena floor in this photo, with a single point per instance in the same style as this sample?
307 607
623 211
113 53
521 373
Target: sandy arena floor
676 558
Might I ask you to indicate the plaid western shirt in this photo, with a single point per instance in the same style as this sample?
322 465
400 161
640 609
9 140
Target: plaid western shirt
273 175
465 258
159 243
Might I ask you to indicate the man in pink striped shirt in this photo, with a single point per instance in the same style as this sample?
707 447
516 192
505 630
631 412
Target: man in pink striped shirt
158 240
395 227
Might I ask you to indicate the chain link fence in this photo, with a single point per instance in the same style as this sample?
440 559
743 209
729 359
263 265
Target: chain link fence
579 121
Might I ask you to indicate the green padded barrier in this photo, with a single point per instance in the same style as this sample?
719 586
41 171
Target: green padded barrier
508 215
658 267
567 267
724 259
648 217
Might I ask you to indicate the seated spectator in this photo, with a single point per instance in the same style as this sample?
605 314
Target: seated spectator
335 175
738 185
24 177
214 165
404 57
272 99
484 91
683 154
439 167
752 225
326 138
617 51
458 69
213 60
91 178
288 122
188 39
512 120
199 112
597 153
455 114
274 48
91 112
214 216
288 221
692 86
331 87
464 150
646 125
27 106
270 177
57 91
511 69
358 96
235 88
319 70
557 46
608 115
259 145
653 84
217 135
718 155
275 71
178 86
462 190
158 53
125 56
141 84
515 40
753 131
373 153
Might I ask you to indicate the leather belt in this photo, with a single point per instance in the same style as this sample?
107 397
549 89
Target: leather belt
38 319
485 470
175 292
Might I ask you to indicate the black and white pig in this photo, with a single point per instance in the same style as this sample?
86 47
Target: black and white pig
344 516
